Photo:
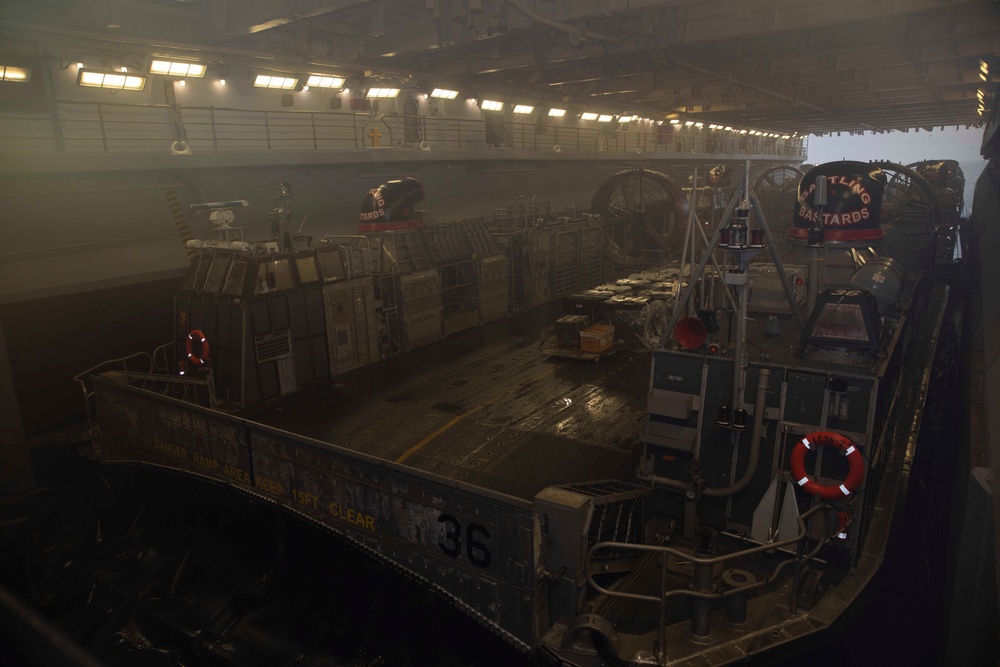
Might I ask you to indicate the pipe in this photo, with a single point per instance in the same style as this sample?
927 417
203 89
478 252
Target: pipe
22 30
763 381
688 233
675 61
580 33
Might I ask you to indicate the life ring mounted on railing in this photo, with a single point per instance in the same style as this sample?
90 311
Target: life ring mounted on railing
197 359
855 473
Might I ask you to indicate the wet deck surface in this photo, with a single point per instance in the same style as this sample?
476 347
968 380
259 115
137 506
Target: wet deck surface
487 409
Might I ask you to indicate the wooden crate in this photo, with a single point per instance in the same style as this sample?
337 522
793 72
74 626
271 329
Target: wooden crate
597 338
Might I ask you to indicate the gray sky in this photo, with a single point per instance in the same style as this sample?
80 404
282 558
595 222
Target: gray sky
907 148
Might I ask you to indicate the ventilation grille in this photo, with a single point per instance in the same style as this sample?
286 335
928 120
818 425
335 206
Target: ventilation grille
621 521
273 347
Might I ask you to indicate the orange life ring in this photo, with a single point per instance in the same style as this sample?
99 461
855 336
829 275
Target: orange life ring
854 475
196 334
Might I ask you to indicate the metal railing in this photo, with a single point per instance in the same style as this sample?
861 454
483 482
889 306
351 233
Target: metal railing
700 588
121 363
113 127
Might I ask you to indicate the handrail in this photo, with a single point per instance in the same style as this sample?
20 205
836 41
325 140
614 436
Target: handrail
67 126
703 568
162 350
82 378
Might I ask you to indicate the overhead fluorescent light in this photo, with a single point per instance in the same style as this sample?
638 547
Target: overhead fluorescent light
171 68
491 105
605 118
444 93
675 121
688 123
727 128
587 115
699 125
626 119
277 82
113 80
557 113
382 92
324 81
19 74
786 136
523 108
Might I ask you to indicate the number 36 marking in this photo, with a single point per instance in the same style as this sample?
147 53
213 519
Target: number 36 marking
477 552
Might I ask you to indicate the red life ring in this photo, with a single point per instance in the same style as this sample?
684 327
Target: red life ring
196 334
854 475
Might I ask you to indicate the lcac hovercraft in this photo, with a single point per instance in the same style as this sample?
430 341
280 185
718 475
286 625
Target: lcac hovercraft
775 435
770 438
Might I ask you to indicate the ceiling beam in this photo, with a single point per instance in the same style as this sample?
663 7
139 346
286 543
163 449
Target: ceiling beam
266 19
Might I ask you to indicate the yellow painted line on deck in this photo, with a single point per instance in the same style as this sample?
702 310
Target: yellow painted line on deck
417 447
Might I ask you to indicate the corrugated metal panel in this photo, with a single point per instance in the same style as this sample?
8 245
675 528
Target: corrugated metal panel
493 288
421 307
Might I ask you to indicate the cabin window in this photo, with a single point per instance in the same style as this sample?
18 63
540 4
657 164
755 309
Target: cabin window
306 268
203 267
217 273
237 278
282 270
192 273
332 265
265 279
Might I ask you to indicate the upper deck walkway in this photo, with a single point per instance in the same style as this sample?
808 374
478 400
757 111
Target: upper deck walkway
125 136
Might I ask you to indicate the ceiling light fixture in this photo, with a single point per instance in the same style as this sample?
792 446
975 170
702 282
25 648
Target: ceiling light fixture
444 93
18 74
170 68
382 92
491 105
588 115
89 78
557 113
523 108
324 81
275 82
605 118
